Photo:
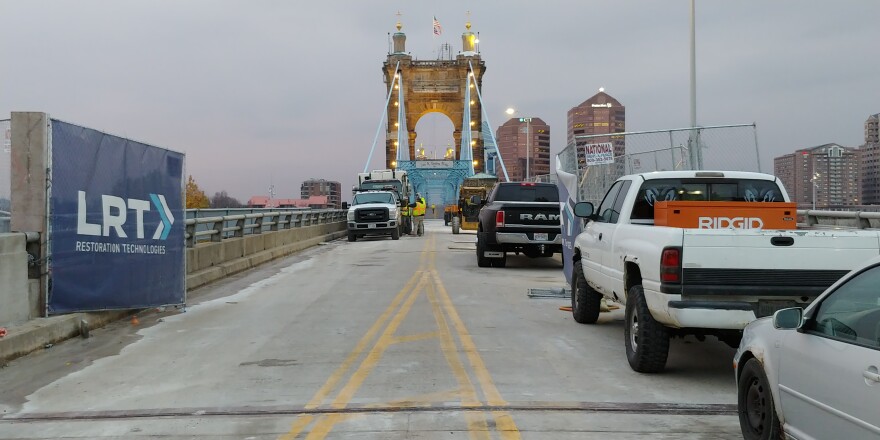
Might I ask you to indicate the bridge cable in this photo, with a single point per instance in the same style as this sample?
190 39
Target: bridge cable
382 118
486 115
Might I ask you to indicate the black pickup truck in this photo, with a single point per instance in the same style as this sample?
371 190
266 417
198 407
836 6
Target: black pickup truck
519 217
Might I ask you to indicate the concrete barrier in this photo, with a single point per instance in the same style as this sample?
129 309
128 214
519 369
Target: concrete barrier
211 261
14 302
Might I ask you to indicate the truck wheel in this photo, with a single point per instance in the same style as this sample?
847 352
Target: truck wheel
757 413
500 262
646 340
456 224
352 237
585 301
482 261
395 234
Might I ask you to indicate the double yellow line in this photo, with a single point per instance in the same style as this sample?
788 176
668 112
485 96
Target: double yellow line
425 279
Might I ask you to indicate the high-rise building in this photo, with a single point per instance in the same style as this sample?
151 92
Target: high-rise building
870 162
321 187
872 129
601 114
524 145
827 175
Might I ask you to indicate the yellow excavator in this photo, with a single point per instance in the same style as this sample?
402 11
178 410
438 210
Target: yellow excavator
466 215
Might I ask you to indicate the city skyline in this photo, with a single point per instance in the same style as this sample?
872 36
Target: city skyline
251 90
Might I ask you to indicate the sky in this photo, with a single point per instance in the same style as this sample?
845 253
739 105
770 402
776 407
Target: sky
258 92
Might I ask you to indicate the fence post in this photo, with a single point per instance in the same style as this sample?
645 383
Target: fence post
218 226
258 224
190 235
239 224
275 225
863 223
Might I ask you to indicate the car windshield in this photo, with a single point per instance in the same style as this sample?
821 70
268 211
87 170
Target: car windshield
527 193
364 198
718 190
380 185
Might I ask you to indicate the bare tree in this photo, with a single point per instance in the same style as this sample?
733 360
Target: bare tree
224 200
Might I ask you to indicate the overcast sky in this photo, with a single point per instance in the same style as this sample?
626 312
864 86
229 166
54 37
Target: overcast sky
289 90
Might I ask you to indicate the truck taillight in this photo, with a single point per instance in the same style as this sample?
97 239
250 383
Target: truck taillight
499 219
670 265
527 184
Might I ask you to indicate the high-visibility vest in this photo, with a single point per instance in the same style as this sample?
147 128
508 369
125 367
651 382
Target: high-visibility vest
420 208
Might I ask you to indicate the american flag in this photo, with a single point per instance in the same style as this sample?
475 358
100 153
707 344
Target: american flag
437 29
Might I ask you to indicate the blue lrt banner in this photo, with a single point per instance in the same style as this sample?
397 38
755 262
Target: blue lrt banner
116 223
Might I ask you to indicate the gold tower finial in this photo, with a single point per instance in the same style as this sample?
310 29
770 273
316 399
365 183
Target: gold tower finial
467 25
399 26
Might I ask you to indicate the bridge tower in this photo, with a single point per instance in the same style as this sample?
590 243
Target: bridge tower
428 86
450 86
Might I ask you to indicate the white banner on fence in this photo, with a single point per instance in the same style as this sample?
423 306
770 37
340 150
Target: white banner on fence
599 154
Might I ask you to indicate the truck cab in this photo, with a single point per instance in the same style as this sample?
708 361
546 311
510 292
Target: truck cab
374 213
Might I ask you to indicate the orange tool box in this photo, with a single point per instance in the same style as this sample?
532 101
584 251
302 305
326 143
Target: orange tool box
726 215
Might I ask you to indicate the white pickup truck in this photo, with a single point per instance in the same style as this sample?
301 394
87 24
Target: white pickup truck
690 281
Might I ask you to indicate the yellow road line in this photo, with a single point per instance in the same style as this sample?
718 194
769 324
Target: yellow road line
302 421
476 421
503 421
325 423
360 347
298 425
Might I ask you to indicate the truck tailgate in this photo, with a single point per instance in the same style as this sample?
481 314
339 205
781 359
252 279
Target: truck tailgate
531 214
774 263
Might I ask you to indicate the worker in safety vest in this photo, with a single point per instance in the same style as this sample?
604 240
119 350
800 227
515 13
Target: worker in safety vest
418 214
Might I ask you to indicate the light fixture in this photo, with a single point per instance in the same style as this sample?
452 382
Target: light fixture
510 111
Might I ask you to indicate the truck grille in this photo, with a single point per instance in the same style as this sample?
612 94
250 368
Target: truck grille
762 277
371 215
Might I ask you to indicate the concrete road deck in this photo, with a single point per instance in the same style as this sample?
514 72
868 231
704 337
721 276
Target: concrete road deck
374 339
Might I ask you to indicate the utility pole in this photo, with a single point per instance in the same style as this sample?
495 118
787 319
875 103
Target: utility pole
528 122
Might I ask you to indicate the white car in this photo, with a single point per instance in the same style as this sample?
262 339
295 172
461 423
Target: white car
815 373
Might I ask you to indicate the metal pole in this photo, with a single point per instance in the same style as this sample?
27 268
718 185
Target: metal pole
693 67
695 153
672 152
382 118
814 193
528 144
757 151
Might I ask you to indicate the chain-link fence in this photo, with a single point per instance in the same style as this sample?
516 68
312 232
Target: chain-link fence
599 160
5 176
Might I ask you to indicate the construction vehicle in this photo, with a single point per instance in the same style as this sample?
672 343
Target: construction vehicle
466 214
395 181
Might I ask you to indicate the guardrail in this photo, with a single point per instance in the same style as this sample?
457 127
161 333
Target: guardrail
216 228
839 219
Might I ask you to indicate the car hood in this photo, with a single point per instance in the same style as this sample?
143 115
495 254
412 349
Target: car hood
372 205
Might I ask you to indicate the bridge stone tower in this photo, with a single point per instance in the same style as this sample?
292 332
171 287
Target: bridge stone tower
434 86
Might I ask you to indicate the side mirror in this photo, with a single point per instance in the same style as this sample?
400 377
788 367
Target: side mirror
583 209
475 200
344 205
788 319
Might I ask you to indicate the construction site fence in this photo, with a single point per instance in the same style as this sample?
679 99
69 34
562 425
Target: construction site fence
726 148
